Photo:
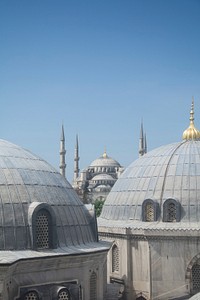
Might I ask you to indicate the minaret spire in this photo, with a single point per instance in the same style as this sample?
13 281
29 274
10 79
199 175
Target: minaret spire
141 141
76 159
62 153
105 153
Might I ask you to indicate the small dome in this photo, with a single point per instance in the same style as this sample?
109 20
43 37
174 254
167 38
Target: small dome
105 161
27 181
103 188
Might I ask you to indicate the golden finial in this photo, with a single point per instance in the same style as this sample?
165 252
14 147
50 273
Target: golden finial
105 154
191 133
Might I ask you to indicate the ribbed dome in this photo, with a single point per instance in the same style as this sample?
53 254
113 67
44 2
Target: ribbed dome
25 181
168 172
191 133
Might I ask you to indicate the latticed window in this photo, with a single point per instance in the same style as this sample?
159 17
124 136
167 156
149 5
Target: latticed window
31 296
149 212
115 258
64 295
171 210
196 278
42 229
93 286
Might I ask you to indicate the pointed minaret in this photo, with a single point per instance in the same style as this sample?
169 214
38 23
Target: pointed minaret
76 160
141 141
62 153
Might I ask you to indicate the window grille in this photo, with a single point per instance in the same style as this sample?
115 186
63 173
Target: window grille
64 295
31 296
149 212
42 230
171 212
93 286
115 259
196 277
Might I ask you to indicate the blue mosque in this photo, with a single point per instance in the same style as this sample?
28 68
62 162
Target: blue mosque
96 181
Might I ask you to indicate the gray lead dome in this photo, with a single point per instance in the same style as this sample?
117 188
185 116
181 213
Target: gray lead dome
28 182
169 172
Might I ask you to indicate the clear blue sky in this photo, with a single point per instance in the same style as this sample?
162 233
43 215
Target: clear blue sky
98 66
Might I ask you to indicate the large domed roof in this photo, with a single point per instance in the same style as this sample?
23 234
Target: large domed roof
168 172
161 189
26 181
104 161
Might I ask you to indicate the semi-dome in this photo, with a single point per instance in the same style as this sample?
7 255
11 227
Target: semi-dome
103 177
105 161
30 186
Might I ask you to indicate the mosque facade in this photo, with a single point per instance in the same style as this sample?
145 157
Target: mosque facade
96 181
49 247
152 217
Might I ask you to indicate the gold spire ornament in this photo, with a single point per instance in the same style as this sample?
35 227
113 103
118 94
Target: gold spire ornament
191 133
105 154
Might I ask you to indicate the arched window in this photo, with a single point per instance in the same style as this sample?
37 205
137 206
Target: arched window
149 210
64 295
171 211
42 222
32 295
93 286
196 278
115 259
